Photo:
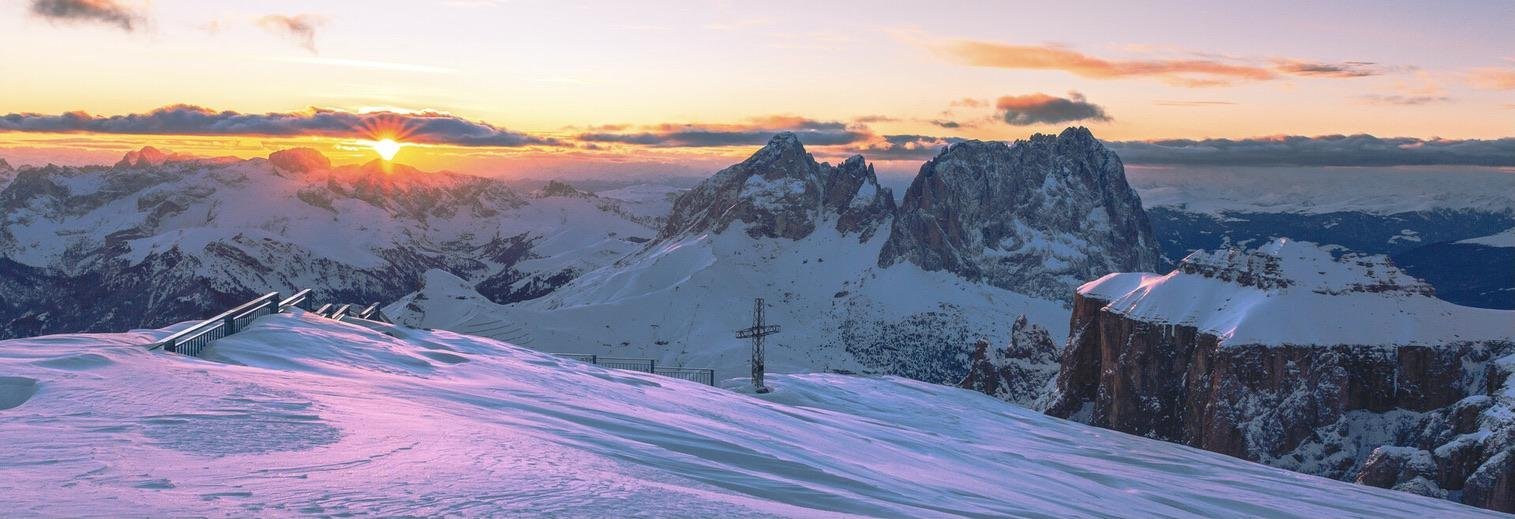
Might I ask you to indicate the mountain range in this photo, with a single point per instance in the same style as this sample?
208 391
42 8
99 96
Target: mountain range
1022 270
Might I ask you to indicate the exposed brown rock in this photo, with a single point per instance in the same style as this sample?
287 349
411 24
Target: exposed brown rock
1284 404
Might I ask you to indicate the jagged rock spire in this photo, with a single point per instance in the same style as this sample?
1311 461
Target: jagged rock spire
782 192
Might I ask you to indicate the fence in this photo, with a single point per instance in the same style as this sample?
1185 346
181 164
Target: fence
191 341
702 375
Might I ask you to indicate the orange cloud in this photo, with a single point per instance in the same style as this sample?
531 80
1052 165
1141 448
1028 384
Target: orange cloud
1493 78
1193 72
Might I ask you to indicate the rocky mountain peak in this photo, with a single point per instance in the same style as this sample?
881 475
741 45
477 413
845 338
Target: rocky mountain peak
782 192
5 167
299 160
149 156
1039 217
558 188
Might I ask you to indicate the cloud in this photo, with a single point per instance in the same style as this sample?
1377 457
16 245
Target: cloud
1493 78
415 127
1194 72
107 12
1345 69
1403 100
1194 103
946 123
969 102
755 131
905 147
1327 150
1041 108
300 27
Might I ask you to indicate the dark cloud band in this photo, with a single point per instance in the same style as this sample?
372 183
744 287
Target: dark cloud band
107 12
1044 109
424 127
756 132
1329 150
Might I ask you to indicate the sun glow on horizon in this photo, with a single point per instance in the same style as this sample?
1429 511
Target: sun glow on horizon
386 148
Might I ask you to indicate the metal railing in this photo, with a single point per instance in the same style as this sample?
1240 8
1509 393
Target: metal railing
702 375
642 365
192 341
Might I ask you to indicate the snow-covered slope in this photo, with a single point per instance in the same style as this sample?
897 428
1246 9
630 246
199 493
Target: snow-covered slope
159 238
1504 239
1297 293
303 415
682 301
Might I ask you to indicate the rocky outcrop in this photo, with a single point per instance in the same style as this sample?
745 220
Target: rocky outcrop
299 160
149 156
1018 372
1038 217
558 188
782 192
1426 413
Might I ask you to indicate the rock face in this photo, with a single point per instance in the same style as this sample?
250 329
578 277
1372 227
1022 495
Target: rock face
299 160
149 156
561 189
782 192
162 238
1243 353
1017 372
1039 217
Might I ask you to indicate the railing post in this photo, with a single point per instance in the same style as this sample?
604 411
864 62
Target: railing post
229 324
273 305
652 366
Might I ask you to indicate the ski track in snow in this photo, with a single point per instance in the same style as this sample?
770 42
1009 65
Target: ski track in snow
303 415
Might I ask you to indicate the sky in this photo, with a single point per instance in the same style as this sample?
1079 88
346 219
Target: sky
537 87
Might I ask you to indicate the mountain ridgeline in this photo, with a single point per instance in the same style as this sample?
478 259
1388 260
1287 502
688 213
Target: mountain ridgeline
1038 217
160 238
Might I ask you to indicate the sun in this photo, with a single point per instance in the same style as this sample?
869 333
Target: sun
386 148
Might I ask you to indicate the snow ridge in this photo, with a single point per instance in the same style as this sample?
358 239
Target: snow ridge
1298 293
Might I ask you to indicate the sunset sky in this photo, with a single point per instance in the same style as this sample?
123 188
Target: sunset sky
537 87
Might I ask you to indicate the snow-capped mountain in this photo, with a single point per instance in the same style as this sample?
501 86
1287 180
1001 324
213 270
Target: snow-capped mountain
812 240
1411 214
1040 217
161 237
1302 357
302 415
781 192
